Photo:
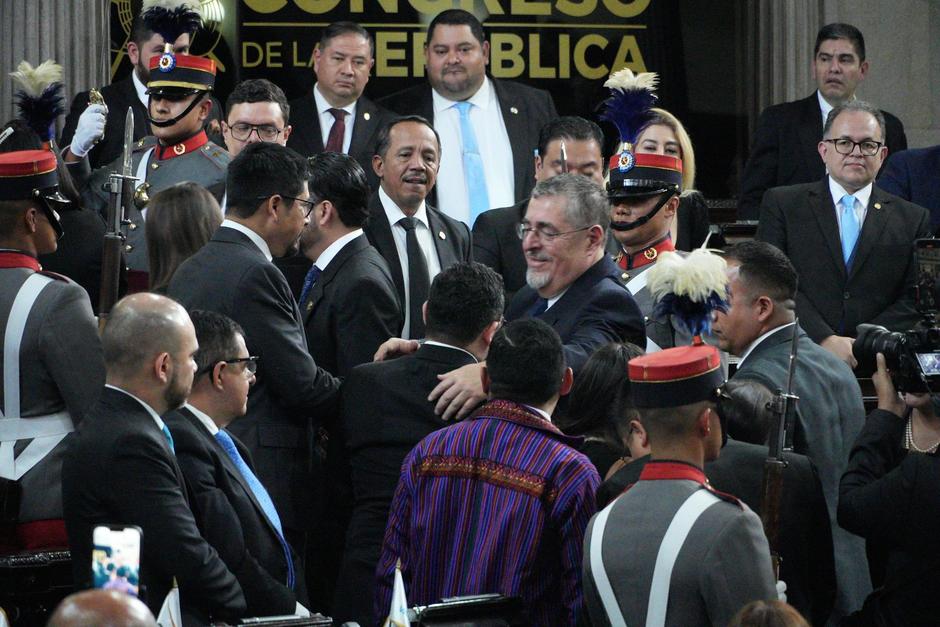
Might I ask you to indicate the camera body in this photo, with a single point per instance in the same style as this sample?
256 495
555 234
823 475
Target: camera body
913 357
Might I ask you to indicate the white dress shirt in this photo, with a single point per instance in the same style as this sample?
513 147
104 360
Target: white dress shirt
327 120
495 149
256 239
204 418
861 201
456 348
333 249
425 241
824 107
760 339
141 90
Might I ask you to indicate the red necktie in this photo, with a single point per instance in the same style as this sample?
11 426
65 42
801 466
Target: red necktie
334 143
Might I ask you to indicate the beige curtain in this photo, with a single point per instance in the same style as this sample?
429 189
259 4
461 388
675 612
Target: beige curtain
75 33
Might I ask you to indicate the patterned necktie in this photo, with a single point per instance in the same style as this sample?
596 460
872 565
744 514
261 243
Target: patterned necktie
312 275
169 438
264 499
334 143
850 228
418 280
472 164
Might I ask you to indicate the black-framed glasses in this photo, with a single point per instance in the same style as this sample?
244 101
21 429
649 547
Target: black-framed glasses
306 205
845 146
544 234
251 364
266 132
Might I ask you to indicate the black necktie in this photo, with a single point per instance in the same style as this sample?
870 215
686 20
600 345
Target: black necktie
418 282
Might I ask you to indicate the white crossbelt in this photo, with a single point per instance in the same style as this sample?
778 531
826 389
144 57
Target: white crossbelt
45 431
675 537
634 286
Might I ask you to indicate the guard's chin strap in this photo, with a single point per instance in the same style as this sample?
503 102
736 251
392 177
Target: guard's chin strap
629 226
172 121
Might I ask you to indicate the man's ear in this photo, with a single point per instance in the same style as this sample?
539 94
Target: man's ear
133 52
567 381
485 380
377 165
31 220
162 367
217 375
703 422
765 308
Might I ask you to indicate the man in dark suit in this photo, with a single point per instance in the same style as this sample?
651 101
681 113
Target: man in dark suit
232 509
268 208
386 412
86 123
489 128
416 240
912 175
495 233
758 328
851 243
335 116
120 467
783 149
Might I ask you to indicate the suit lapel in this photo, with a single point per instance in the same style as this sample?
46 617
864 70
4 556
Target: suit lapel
315 138
511 110
363 127
445 251
825 212
332 270
380 234
876 219
810 132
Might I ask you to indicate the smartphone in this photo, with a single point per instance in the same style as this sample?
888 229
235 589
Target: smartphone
115 558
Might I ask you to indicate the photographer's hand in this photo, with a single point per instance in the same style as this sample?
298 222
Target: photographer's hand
888 398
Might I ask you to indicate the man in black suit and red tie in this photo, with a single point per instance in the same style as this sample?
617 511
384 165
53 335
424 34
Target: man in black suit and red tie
783 149
335 116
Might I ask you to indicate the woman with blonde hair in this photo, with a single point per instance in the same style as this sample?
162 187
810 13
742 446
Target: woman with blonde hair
180 220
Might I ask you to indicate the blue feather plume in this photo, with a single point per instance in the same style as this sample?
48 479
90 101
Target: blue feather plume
629 111
695 315
40 112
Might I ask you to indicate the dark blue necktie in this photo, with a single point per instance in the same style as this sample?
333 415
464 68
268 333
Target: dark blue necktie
264 499
312 275
541 305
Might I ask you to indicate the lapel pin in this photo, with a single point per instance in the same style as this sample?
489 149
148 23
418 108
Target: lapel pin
514 110
877 205
309 306
441 235
367 116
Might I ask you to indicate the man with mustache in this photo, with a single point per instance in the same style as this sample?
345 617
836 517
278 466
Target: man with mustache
783 149
489 128
416 240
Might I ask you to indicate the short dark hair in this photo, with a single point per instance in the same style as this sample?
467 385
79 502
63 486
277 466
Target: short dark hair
383 139
765 268
526 362
258 90
839 30
343 28
463 300
141 33
855 105
744 408
600 402
457 17
261 170
569 127
215 333
339 178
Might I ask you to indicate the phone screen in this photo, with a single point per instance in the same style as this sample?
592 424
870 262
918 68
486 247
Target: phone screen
115 558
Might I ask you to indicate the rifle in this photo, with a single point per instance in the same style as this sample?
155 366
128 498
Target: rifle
780 440
121 195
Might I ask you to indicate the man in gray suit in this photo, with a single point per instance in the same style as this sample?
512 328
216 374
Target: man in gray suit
758 328
59 369
268 208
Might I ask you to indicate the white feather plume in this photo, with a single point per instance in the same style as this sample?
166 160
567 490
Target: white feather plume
625 79
172 5
696 275
34 80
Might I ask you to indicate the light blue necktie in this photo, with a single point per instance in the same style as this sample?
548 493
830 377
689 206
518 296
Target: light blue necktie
850 228
264 499
169 438
472 164
312 275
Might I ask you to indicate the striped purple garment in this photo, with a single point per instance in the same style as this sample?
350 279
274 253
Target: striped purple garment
497 503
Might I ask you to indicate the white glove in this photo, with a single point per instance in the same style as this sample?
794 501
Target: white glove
89 130
781 590
300 610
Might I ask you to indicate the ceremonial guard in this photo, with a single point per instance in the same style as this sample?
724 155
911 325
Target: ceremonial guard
178 150
53 368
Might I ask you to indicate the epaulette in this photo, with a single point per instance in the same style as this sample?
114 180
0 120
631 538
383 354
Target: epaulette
216 154
724 496
145 143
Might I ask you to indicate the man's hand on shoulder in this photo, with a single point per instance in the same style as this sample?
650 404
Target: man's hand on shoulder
459 392
395 347
841 347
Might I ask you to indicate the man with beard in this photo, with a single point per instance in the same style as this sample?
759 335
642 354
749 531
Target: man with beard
416 240
120 466
268 207
98 129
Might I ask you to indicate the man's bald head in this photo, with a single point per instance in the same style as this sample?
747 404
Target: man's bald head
140 327
103 608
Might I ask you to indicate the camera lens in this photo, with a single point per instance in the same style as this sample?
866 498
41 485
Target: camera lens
871 340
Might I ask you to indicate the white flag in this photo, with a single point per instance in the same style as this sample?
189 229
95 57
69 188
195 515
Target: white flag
170 614
398 612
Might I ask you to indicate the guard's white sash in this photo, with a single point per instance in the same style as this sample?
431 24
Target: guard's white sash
45 431
675 537
634 286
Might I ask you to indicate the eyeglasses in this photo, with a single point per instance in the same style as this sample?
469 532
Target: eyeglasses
845 146
544 234
266 132
251 364
307 205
